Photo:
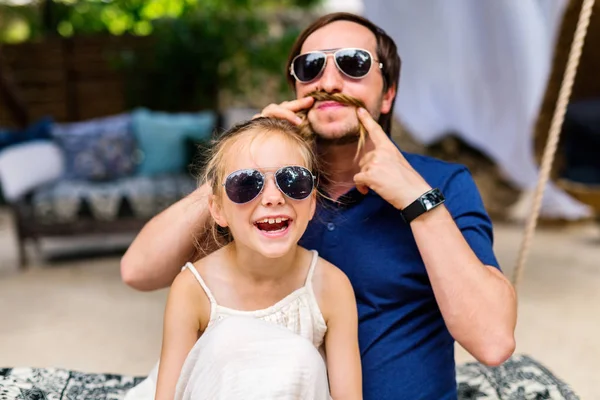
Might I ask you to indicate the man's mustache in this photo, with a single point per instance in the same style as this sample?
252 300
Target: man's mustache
319 95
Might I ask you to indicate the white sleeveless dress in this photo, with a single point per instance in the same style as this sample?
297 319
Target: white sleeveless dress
273 353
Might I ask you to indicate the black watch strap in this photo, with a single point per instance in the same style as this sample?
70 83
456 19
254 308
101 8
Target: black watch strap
424 203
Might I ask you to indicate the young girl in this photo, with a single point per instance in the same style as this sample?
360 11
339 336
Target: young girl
238 321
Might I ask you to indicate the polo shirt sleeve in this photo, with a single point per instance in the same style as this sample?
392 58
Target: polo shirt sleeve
464 203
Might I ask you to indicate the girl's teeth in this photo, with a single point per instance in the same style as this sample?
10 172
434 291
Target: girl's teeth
272 220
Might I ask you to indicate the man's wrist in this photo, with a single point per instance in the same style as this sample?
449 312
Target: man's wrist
414 194
433 218
423 204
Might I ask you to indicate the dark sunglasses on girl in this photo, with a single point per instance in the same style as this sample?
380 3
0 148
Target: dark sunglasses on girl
354 63
245 185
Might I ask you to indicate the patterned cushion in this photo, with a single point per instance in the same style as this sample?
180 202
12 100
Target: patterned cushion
520 378
66 200
62 384
99 149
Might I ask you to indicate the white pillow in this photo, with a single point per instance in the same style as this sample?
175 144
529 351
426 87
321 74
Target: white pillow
25 166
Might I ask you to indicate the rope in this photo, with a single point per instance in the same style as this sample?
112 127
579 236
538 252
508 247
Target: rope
554 134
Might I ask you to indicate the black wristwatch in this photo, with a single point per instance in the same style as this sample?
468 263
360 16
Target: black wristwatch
424 203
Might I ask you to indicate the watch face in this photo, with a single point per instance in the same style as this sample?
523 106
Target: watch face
432 199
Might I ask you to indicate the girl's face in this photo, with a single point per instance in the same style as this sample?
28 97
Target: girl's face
272 223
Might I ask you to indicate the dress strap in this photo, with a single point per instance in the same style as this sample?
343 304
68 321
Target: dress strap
194 271
311 269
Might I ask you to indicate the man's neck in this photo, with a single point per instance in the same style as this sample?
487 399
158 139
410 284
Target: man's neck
340 166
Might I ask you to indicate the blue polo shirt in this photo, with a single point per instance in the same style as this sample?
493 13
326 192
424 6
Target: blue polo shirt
407 351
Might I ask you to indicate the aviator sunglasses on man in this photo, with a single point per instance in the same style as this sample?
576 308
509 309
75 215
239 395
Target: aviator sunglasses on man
354 63
245 185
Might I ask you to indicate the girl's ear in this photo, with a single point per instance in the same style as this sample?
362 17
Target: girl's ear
216 211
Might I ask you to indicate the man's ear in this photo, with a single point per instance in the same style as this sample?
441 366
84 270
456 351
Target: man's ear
388 99
216 211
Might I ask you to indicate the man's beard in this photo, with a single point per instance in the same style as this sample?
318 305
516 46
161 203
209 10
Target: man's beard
349 137
354 134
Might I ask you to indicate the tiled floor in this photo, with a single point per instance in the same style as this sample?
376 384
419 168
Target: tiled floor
77 314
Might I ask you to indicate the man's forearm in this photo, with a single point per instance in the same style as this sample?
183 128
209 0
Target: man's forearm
477 302
165 243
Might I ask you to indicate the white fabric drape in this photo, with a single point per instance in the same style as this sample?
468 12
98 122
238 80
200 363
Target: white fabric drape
478 69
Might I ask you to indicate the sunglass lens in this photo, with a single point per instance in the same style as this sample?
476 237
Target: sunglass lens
308 66
243 186
355 63
295 182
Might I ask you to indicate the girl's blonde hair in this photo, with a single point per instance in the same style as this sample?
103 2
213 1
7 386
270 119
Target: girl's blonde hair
215 167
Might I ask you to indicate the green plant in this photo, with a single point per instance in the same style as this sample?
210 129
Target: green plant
205 52
18 24
198 49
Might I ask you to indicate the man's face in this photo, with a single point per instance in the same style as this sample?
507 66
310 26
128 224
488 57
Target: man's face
330 120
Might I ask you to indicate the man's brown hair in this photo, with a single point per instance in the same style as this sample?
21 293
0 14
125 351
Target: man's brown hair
387 54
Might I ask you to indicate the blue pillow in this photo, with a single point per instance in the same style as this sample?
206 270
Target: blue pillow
40 130
99 149
162 138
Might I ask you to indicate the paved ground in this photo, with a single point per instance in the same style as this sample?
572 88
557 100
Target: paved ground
77 314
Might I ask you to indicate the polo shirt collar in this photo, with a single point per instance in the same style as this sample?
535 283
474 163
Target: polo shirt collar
350 198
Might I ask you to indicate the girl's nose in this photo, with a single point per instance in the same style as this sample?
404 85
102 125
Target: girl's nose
271 194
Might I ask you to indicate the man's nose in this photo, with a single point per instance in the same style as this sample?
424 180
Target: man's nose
271 194
331 80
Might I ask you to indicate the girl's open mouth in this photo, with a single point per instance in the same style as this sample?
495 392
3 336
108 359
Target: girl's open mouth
273 225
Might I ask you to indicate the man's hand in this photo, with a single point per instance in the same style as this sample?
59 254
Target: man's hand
385 170
287 110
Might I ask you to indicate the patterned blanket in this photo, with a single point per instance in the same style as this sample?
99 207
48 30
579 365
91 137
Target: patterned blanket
520 378
64 201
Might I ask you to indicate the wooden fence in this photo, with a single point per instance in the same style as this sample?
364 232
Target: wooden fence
69 79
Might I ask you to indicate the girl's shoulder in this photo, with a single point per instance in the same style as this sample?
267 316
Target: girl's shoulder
209 263
187 284
328 275
190 287
205 273
330 284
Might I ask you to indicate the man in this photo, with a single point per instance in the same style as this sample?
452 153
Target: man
423 269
